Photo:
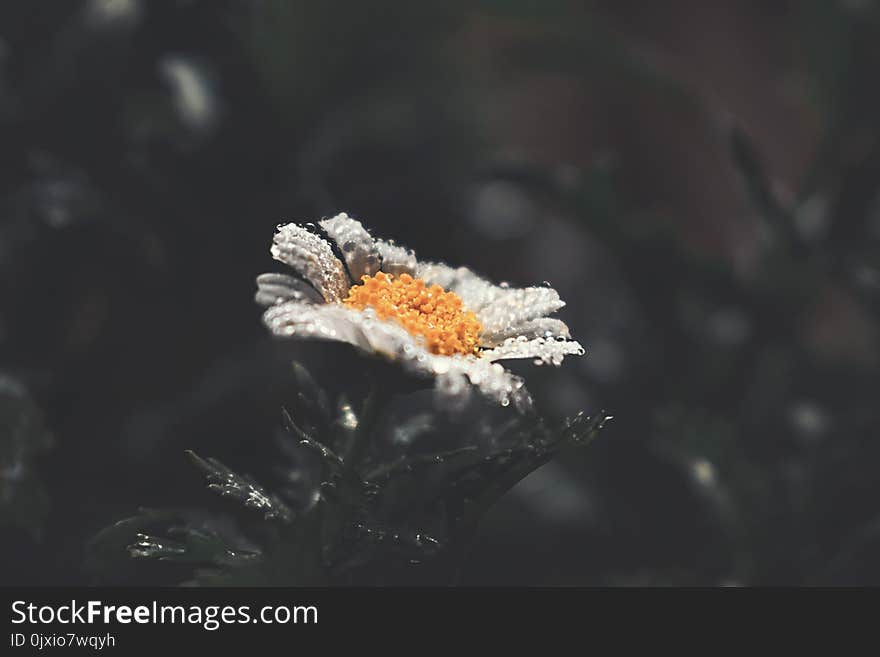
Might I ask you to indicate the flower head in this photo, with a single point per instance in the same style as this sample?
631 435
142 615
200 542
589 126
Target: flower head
434 320
427 311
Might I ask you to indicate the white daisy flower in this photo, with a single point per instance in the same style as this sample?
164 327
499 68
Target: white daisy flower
433 320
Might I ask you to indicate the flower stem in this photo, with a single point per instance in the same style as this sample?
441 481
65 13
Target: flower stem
375 401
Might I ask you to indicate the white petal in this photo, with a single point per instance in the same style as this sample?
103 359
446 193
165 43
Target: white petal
278 288
355 243
543 350
499 308
475 292
312 258
323 322
455 375
491 379
542 327
396 259
361 328
517 306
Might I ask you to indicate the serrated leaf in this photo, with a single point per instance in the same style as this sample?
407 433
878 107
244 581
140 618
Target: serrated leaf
242 489
190 545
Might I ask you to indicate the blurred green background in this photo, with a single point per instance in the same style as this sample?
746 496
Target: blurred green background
699 180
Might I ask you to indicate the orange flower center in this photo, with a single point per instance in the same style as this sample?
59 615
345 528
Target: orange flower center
428 311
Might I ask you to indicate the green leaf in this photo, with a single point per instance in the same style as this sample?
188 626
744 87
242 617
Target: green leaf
242 489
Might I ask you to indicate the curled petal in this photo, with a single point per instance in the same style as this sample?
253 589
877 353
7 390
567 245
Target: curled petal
543 350
542 327
273 289
396 259
492 380
355 244
312 258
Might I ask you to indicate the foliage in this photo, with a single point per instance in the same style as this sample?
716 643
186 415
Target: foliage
353 513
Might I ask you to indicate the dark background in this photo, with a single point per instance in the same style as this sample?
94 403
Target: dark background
699 180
